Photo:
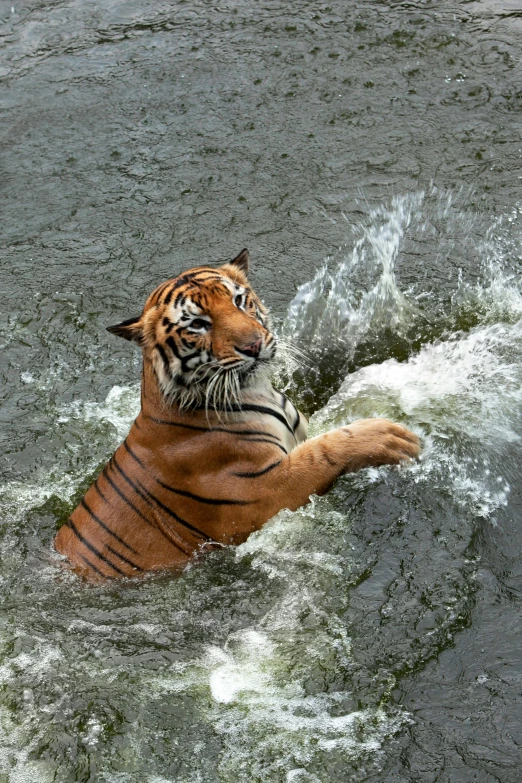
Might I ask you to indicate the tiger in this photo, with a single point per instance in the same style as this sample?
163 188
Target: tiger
215 451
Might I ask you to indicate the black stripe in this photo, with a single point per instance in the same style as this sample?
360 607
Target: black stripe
93 549
132 453
91 565
256 433
181 301
173 347
125 559
212 429
176 517
269 411
180 380
258 472
256 409
292 406
264 440
188 277
98 490
186 359
145 494
131 483
164 357
182 280
188 356
104 526
200 499
207 274
136 424
125 498
158 292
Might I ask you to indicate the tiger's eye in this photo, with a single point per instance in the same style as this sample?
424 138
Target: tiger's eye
238 300
199 323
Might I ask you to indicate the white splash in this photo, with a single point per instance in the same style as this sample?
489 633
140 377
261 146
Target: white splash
120 408
330 310
242 672
461 392
257 679
463 396
18 741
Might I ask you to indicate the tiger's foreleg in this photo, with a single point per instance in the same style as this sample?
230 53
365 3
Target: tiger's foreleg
313 466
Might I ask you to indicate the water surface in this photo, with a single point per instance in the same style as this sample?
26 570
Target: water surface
368 154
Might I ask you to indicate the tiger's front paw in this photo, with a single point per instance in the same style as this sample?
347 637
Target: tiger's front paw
381 442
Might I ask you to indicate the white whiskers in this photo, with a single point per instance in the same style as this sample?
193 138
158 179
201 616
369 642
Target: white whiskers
218 387
293 358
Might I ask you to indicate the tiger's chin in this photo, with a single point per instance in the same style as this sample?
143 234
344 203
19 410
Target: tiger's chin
220 390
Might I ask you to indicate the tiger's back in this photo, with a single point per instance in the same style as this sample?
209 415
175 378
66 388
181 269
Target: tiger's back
181 483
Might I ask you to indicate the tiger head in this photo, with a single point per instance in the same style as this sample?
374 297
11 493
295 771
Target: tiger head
205 332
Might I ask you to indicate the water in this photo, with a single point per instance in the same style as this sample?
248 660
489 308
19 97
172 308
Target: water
368 157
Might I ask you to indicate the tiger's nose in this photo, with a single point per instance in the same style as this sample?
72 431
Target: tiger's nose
253 349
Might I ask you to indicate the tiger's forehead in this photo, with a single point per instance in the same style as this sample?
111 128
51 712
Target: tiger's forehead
194 291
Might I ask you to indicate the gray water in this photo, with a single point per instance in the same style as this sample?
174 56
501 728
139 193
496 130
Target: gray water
368 154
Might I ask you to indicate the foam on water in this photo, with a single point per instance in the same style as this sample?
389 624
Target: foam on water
119 409
463 396
270 725
20 736
267 720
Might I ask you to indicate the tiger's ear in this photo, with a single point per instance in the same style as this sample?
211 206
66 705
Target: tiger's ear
241 261
129 329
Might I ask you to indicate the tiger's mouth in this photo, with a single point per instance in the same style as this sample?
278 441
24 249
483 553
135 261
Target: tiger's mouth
219 382
253 362
247 367
224 381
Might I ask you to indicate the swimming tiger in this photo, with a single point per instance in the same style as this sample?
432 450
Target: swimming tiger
215 451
